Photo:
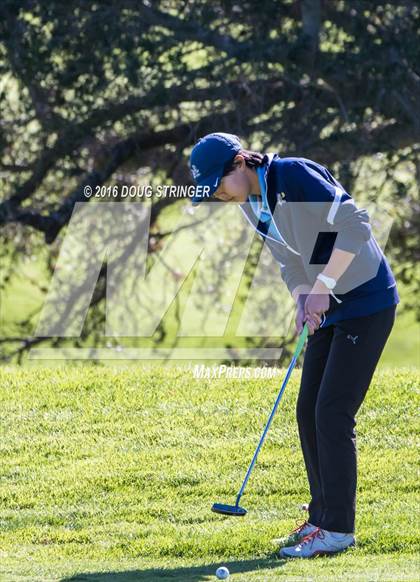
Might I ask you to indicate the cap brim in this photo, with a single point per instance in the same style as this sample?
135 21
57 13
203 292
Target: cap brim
212 183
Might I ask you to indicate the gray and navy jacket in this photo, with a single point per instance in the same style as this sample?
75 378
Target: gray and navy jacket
301 236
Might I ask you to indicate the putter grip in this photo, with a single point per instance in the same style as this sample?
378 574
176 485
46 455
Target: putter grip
302 340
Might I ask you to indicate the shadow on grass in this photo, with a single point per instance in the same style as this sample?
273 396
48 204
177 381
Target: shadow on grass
187 574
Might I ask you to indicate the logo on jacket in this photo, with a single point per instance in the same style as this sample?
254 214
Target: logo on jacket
352 338
195 172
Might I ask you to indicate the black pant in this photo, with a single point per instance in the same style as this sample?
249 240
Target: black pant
339 364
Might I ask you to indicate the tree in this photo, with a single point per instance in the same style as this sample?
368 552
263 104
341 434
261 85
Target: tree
91 92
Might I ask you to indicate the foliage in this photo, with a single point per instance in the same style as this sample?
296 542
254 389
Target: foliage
116 92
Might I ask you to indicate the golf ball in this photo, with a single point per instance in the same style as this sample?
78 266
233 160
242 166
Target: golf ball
222 573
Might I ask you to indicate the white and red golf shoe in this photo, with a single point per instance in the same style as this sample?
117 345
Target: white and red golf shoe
319 542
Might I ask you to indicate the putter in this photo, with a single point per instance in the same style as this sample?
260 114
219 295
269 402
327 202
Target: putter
237 510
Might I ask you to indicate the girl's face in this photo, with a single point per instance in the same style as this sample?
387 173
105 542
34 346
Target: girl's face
236 186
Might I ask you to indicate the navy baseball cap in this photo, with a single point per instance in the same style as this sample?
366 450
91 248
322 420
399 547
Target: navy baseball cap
208 160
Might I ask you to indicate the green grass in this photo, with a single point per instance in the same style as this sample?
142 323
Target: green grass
403 346
109 474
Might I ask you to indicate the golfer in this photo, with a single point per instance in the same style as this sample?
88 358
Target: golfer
344 290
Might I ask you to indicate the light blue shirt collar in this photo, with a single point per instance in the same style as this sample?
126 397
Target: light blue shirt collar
259 204
261 209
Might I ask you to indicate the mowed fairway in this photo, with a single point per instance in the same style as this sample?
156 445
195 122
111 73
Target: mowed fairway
109 474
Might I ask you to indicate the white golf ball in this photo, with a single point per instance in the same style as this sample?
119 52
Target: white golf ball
222 573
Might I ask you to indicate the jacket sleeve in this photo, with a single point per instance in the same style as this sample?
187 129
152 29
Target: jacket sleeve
291 266
342 216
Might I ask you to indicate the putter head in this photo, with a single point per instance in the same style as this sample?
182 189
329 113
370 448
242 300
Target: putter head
234 510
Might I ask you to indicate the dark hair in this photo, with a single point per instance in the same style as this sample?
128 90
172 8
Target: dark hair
252 160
